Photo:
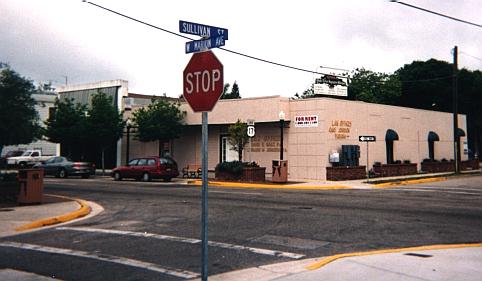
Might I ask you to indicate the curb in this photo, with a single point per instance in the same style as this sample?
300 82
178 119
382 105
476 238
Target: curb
81 212
269 186
407 182
333 258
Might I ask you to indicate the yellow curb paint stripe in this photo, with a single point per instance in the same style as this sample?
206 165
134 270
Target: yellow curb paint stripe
273 186
330 259
81 212
406 182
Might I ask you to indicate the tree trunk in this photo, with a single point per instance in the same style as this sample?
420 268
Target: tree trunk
240 152
103 166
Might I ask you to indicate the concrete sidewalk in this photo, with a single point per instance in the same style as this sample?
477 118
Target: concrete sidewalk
16 219
442 262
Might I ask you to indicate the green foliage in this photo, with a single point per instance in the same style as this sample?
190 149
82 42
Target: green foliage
374 87
104 123
234 94
237 137
19 121
234 167
160 121
67 124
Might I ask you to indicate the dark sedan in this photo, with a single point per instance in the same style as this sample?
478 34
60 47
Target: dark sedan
63 167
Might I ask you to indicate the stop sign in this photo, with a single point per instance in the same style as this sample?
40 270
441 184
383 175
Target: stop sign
203 81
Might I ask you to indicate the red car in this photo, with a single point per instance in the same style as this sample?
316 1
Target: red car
147 168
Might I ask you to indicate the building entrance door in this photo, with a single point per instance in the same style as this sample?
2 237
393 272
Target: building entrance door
227 154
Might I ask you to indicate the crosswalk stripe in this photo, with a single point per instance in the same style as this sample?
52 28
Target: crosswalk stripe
102 257
186 240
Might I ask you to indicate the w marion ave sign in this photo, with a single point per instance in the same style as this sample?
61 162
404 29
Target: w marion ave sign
203 81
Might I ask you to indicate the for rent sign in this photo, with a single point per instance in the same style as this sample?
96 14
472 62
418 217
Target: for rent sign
306 121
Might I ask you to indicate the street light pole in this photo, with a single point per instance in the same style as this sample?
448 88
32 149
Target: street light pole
455 108
128 127
281 125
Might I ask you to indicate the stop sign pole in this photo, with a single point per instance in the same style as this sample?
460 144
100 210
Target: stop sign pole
203 86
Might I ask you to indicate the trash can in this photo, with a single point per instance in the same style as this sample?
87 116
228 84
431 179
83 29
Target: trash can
31 186
280 171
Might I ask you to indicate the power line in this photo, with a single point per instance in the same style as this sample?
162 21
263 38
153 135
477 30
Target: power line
224 49
469 55
435 13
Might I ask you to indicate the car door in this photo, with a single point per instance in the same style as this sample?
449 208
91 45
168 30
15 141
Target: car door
129 171
49 166
140 168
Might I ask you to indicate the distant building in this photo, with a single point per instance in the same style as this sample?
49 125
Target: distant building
45 102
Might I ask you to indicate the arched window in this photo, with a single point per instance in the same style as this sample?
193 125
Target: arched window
390 136
432 138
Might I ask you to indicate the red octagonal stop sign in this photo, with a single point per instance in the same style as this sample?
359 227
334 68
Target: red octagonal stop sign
203 81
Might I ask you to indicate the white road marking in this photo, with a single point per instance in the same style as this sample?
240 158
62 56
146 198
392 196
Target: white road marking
434 190
234 192
186 240
107 258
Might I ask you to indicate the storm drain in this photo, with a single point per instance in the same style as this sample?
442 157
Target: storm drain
292 242
418 255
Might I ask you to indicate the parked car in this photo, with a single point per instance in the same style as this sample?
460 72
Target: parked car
63 167
12 153
147 168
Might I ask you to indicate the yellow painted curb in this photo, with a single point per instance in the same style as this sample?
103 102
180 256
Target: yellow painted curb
406 182
329 259
81 212
273 186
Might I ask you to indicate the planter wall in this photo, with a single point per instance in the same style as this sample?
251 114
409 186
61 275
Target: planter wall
390 170
345 173
252 174
438 167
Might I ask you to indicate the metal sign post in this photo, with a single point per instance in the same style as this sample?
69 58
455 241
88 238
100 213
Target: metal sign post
204 235
203 86
367 139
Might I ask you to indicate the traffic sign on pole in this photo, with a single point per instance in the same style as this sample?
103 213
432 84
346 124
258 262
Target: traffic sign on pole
250 132
367 138
202 30
203 81
204 44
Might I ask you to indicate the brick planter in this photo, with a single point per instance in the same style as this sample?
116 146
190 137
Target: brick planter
251 174
390 170
345 173
438 167
473 164
254 174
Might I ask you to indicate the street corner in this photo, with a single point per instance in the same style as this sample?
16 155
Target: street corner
58 210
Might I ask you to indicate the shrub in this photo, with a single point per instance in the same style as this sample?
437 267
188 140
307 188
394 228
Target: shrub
235 167
406 161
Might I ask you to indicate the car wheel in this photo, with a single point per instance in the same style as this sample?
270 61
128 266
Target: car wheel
146 177
62 173
117 176
22 165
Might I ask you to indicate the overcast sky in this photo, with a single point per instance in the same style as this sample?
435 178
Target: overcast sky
53 39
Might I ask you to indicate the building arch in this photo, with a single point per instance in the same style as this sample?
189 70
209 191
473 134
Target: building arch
390 137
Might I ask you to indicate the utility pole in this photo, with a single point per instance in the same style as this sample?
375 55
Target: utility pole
455 107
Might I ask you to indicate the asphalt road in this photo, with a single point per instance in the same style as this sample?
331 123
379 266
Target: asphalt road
151 231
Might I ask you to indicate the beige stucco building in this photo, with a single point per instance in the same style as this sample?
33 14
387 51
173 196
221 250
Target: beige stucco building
313 129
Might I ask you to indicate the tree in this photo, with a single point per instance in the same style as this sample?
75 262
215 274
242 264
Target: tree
161 121
66 125
19 120
234 94
104 123
374 87
238 138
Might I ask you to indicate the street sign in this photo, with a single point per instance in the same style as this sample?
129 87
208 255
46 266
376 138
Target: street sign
204 44
203 81
367 138
202 30
250 131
